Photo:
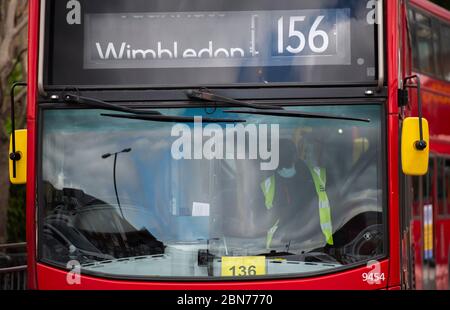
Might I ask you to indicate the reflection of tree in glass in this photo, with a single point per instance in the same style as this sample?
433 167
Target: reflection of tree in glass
89 229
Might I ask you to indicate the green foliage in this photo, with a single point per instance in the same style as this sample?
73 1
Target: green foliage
16 75
8 125
16 213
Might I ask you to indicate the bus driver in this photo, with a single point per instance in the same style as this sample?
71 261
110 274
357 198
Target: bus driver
293 185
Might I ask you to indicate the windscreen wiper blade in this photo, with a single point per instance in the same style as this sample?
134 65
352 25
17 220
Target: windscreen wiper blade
146 115
296 114
274 253
100 104
205 95
173 118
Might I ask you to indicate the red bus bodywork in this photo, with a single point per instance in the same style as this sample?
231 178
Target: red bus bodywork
41 276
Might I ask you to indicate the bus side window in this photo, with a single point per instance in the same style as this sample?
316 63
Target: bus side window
416 196
427 184
412 27
424 44
441 197
445 51
435 34
447 185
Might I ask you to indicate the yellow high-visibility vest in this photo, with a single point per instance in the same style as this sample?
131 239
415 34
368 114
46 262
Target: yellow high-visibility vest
319 177
320 180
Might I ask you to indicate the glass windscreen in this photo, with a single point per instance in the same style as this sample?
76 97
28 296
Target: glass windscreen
261 196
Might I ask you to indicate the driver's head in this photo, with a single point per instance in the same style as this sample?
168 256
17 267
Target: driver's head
288 156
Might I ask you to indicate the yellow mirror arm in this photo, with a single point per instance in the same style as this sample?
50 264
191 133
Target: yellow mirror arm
421 144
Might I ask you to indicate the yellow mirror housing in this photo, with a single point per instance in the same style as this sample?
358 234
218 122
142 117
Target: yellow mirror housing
414 160
21 164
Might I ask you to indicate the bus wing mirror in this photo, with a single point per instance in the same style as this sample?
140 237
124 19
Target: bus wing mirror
18 145
414 151
18 158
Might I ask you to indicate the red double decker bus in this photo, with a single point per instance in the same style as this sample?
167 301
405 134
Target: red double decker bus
236 145
427 197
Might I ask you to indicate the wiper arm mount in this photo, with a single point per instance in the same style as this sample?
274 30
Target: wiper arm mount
206 95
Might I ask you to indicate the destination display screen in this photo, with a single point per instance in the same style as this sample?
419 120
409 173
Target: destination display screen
218 39
136 43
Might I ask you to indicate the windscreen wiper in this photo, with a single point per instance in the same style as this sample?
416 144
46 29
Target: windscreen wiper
206 95
174 118
296 114
146 115
100 104
274 253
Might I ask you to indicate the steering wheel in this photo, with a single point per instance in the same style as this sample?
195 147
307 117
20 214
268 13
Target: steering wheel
367 243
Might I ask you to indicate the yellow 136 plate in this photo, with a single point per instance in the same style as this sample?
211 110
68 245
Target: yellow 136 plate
241 266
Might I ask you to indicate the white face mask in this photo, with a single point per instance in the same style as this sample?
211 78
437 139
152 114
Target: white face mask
287 172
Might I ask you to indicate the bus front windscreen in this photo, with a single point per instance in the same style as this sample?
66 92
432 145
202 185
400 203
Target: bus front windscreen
268 196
